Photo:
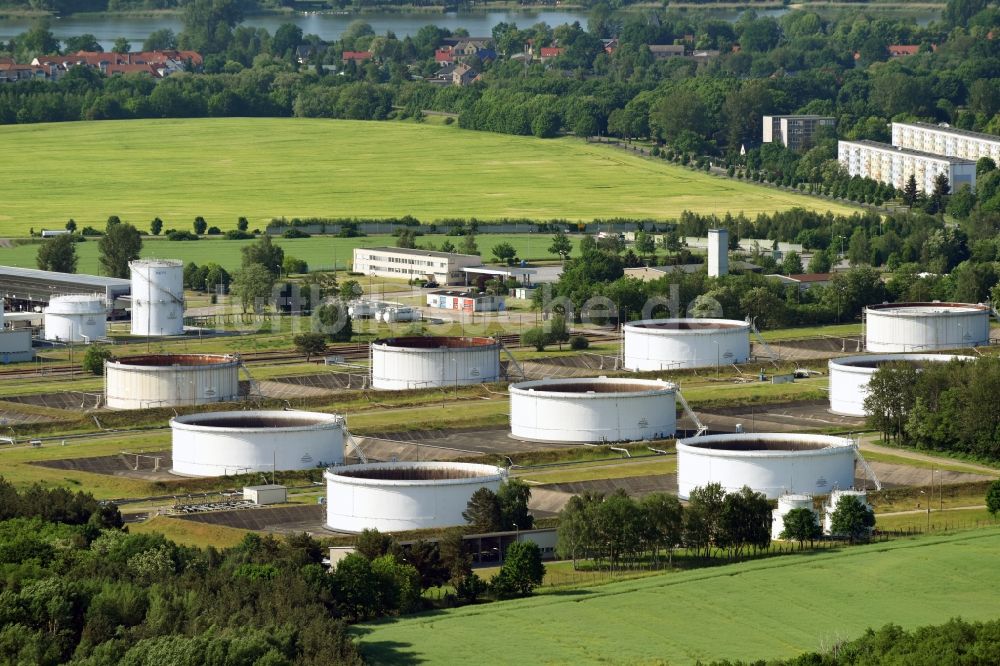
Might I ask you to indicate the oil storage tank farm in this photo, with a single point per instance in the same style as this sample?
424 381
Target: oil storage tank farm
770 463
676 344
76 318
227 443
170 380
919 327
427 361
593 410
157 297
396 496
849 377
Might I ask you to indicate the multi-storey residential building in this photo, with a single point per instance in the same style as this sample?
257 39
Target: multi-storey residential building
944 140
894 165
795 132
408 264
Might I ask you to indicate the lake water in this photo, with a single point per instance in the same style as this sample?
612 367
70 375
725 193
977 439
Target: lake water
330 26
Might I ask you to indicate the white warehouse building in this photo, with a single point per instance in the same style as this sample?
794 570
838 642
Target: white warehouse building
945 140
893 165
920 327
410 264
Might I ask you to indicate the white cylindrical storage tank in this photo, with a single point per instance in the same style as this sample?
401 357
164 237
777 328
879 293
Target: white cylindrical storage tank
834 499
849 377
393 497
675 344
917 327
770 463
593 410
76 318
170 380
424 362
157 297
787 503
229 443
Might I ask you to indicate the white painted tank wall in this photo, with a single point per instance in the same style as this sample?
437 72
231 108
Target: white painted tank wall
203 449
399 367
354 504
552 415
15 346
677 348
76 318
922 327
774 473
849 382
831 505
157 297
786 503
138 386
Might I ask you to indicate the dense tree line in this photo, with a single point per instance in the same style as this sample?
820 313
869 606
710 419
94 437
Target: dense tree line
955 642
952 407
618 531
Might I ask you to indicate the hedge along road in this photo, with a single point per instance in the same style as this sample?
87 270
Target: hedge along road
319 252
223 168
777 607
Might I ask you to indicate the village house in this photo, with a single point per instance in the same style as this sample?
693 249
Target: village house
664 51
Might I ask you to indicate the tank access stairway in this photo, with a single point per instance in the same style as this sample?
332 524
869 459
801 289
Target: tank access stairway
863 464
771 354
701 427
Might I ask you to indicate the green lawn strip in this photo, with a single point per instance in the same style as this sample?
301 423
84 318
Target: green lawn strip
776 607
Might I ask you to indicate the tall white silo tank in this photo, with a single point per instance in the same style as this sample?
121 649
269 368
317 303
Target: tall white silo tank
157 297
786 504
76 318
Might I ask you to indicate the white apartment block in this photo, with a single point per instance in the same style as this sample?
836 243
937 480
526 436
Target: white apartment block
795 132
894 165
944 140
407 264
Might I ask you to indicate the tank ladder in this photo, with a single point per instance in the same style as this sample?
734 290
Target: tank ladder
863 464
763 343
354 445
253 390
701 427
512 360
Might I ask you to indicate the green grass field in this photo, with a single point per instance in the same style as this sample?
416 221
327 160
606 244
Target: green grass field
777 607
223 168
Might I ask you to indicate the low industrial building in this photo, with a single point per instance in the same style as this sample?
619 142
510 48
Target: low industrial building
795 132
465 301
266 494
414 264
27 288
803 281
894 165
945 140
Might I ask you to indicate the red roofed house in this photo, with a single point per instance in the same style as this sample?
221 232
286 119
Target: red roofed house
444 56
901 50
357 56
547 53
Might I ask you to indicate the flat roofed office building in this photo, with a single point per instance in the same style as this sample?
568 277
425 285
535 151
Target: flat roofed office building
409 264
894 165
795 132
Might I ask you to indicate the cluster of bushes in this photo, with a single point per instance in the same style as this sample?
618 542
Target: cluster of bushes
951 407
